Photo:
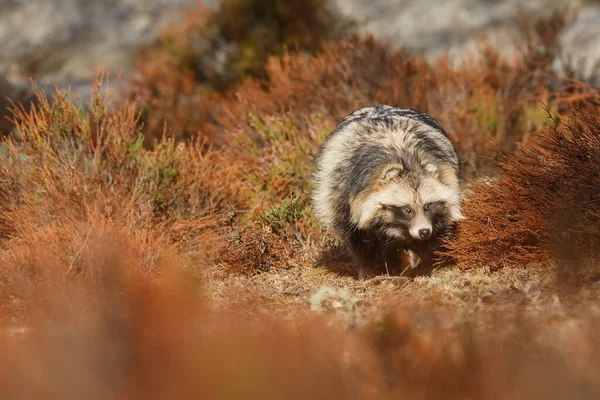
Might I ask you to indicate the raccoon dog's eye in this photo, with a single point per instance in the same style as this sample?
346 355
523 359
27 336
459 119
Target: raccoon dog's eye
407 210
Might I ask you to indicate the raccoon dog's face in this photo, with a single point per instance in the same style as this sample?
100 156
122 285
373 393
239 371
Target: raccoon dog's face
408 205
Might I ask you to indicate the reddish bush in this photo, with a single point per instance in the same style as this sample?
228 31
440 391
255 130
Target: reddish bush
74 164
544 200
484 101
204 51
254 249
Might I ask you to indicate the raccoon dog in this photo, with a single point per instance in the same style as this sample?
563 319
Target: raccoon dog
387 182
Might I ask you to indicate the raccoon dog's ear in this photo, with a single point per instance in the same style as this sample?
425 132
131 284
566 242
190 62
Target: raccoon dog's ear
391 171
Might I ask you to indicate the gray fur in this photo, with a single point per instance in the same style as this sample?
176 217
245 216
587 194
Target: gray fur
352 199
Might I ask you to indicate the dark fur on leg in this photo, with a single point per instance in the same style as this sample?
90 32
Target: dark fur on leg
379 256
422 257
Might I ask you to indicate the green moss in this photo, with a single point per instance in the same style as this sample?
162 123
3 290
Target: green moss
287 212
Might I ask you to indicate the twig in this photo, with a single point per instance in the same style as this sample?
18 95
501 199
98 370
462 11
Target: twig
76 256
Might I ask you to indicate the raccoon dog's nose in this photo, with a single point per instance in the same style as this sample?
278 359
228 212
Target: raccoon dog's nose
424 233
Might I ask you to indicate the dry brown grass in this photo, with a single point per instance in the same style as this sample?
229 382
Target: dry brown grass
134 335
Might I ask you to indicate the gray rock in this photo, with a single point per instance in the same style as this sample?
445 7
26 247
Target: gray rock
71 39
433 27
580 46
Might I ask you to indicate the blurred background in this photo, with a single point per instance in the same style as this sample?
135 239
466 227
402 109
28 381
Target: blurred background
65 42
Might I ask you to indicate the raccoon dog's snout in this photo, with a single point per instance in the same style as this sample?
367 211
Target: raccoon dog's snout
421 232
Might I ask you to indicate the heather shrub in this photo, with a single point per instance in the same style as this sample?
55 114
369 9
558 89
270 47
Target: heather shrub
485 102
255 248
74 163
281 237
544 202
204 51
340 77
69 262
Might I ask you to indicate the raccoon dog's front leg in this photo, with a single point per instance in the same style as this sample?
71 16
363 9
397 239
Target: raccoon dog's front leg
364 259
364 255
420 256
